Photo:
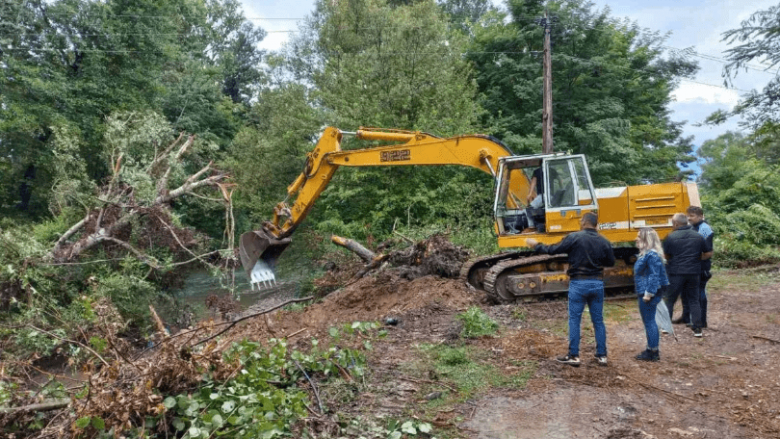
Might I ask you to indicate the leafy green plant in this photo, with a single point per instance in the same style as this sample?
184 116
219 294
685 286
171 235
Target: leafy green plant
476 323
262 401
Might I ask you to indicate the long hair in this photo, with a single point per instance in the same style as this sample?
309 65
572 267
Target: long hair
649 240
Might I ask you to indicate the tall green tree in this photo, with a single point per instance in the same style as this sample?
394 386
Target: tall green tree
376 63
611 88
70 63
756 40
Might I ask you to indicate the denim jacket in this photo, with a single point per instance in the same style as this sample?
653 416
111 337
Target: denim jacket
649 273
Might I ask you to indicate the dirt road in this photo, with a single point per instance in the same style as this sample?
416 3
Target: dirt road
725 385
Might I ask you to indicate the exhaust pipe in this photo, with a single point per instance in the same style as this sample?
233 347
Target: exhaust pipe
259 252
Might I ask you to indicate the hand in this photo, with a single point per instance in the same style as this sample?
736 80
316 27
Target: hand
647 297
530 242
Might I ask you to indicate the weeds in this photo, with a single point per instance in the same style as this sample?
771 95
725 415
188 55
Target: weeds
470 372
476 323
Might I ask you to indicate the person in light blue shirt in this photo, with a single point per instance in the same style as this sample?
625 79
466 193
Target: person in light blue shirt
650 279
696 219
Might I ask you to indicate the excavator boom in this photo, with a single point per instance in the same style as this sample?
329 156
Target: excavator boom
260 249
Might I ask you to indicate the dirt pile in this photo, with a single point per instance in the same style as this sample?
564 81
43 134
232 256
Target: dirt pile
433 256
371 298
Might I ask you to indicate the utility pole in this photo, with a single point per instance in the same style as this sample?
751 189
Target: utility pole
547 117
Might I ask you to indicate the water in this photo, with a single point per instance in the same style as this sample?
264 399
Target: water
200 284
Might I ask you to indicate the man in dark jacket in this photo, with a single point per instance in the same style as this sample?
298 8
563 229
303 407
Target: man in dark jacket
685 249
588 254
696 220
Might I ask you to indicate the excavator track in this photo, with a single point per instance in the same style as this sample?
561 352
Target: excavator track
474 270
496 291
491 274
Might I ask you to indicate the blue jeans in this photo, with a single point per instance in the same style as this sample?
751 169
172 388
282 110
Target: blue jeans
590 292
647 310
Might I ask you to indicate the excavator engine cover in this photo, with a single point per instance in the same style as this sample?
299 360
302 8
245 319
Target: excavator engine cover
259 251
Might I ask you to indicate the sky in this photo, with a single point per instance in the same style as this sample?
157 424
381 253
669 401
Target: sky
690 24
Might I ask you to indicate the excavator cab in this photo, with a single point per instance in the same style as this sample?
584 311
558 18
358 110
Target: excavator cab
568 193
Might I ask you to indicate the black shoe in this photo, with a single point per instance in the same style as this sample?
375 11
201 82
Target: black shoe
571 360
648 355
679 321
697 332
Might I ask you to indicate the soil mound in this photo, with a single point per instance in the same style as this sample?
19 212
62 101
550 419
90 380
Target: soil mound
371 298
435 255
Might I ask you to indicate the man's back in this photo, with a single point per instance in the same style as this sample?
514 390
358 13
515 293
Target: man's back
588 253
684 248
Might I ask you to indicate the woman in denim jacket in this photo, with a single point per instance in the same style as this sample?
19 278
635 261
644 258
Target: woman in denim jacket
651 281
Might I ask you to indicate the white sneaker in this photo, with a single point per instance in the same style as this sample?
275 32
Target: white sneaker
664 331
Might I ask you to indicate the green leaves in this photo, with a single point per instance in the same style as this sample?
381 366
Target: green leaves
248 405
476 323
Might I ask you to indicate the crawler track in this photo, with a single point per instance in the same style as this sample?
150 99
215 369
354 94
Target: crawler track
491 273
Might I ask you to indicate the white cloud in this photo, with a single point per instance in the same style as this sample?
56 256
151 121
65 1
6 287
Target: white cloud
690 92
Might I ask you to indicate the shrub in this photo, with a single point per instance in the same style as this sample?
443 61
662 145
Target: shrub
476 323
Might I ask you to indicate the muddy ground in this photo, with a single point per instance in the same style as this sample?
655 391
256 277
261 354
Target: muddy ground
725 385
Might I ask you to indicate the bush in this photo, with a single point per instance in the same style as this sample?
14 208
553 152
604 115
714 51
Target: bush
476 323
736 253
747 237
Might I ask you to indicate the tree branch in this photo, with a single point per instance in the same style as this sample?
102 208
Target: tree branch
71 342
70 232
148 260
234 322
188 187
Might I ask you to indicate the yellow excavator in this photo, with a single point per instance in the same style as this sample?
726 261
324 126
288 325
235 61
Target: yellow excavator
567 193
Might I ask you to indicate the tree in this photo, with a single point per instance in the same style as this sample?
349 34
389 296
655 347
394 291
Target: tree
611 89
371 63
465 13
70 63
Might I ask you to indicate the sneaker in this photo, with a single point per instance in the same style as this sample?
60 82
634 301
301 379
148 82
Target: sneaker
570 360
648 355
679 321
697 332
664 331
602 361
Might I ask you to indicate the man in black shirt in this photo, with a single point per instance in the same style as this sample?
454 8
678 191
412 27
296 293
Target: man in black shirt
685 249
588 254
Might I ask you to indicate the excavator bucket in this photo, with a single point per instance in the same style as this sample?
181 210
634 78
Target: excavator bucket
259 251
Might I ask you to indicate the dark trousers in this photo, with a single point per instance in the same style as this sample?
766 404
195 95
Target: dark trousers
686 316
685 286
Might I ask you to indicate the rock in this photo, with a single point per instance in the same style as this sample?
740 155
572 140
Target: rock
433 395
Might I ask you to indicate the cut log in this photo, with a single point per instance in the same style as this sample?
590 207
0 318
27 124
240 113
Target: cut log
365 254
53 404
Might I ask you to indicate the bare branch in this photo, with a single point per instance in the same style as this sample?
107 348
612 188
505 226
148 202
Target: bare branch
159 158
188 187
70 232
148 260
162 184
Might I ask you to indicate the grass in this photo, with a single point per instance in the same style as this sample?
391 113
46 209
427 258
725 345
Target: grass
742 279
617 313
468 369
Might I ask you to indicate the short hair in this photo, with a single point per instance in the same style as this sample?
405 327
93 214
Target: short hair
680 219
695 210
591 219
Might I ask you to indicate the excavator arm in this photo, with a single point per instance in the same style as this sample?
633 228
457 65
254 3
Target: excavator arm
259 249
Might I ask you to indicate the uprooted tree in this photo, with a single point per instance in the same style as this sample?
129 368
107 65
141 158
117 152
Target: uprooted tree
146 177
